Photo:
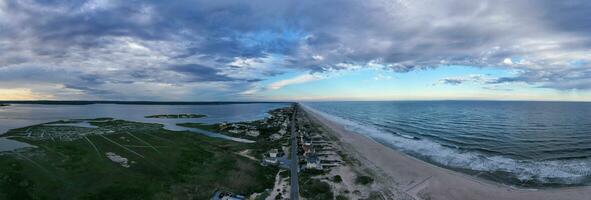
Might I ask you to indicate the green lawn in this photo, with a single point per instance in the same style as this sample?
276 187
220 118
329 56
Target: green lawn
166 165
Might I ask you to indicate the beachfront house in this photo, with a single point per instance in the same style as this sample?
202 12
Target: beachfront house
306 147
308 150
313 162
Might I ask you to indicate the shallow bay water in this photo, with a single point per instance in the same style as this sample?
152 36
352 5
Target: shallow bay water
21 115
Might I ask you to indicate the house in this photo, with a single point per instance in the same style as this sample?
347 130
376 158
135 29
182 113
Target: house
117 159
282 131
219 195
313 162
234 131
274 137
273 153
309 150
253 133
223 126
307 141
306 147
269 161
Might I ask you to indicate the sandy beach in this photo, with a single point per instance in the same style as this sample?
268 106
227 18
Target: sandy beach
422 180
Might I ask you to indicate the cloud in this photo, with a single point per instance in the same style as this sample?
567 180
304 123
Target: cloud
572 78
472 78
196 73
452 81
104 45
295 80
21 94
381 76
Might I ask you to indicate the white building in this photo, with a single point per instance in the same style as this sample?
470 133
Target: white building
273 153
253 133
234 131
275 136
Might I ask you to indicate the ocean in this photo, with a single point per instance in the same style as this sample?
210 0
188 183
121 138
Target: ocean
528 144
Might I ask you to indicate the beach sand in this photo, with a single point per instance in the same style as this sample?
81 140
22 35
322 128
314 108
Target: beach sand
422 180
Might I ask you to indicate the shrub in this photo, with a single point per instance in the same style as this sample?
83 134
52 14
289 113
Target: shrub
363 180
337 179
342 197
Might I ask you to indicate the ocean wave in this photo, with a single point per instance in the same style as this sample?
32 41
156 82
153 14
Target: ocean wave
571 171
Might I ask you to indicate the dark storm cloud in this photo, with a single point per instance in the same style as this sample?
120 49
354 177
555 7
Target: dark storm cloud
91 91
196 73
106 42
561 79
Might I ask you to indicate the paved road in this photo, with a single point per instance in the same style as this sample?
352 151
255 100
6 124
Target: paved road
295 192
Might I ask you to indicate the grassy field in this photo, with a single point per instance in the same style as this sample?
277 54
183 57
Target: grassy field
163 165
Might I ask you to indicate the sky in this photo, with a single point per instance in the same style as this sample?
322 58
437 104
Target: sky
305 50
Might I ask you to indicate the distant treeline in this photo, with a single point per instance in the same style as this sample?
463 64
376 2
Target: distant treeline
136 102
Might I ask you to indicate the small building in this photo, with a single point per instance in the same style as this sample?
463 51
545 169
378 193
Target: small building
220 195
269 161
313 162
234 131
224 126
306 147
274 137
309 150
118 159
273 153
253 133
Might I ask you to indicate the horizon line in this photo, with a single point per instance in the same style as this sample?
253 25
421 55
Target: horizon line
87 102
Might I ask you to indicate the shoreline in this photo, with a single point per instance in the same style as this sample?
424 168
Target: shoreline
423 180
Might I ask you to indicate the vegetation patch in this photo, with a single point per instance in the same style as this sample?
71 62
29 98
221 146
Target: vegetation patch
341 197
311 188
363 180
176 116
337 179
